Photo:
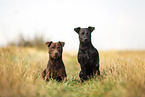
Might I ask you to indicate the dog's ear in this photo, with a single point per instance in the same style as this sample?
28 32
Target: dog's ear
77 29
62 43
48 43
91 28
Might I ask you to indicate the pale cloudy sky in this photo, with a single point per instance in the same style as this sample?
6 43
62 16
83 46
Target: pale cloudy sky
120 24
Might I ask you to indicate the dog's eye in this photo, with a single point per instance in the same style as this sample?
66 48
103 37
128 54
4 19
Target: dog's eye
53 47
87 33
82 33
58 47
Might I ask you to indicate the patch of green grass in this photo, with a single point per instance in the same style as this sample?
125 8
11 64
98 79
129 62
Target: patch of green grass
122 75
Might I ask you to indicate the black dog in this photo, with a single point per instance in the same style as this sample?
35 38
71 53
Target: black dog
55 68
88 56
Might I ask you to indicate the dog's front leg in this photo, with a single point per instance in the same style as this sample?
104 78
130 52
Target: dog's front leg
96 61
83 70
47 76
64 79
97 70
97 67
43 74
82 59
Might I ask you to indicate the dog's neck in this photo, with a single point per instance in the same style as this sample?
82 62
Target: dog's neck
84 46
55 62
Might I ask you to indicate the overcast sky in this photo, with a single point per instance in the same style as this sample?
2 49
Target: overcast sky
119 24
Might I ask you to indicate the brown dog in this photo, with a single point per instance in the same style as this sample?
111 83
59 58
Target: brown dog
55 68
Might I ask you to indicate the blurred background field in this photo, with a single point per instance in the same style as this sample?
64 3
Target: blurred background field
122 74
119 24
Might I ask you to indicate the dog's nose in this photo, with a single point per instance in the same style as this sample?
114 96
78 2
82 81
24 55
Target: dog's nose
85 38
56 53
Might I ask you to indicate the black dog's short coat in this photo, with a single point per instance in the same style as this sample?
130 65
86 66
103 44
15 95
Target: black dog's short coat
88 56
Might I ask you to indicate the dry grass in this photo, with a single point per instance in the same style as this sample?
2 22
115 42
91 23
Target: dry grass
122 75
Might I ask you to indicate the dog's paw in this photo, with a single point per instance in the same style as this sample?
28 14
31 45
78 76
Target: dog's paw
46 79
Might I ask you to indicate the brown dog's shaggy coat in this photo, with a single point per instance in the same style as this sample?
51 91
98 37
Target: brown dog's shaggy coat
55 68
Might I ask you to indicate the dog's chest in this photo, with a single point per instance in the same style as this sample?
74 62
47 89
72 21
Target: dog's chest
90 56
55 69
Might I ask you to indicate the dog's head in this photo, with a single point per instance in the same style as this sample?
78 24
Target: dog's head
84 34
55 49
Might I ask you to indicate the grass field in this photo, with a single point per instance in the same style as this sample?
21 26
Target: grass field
122 75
